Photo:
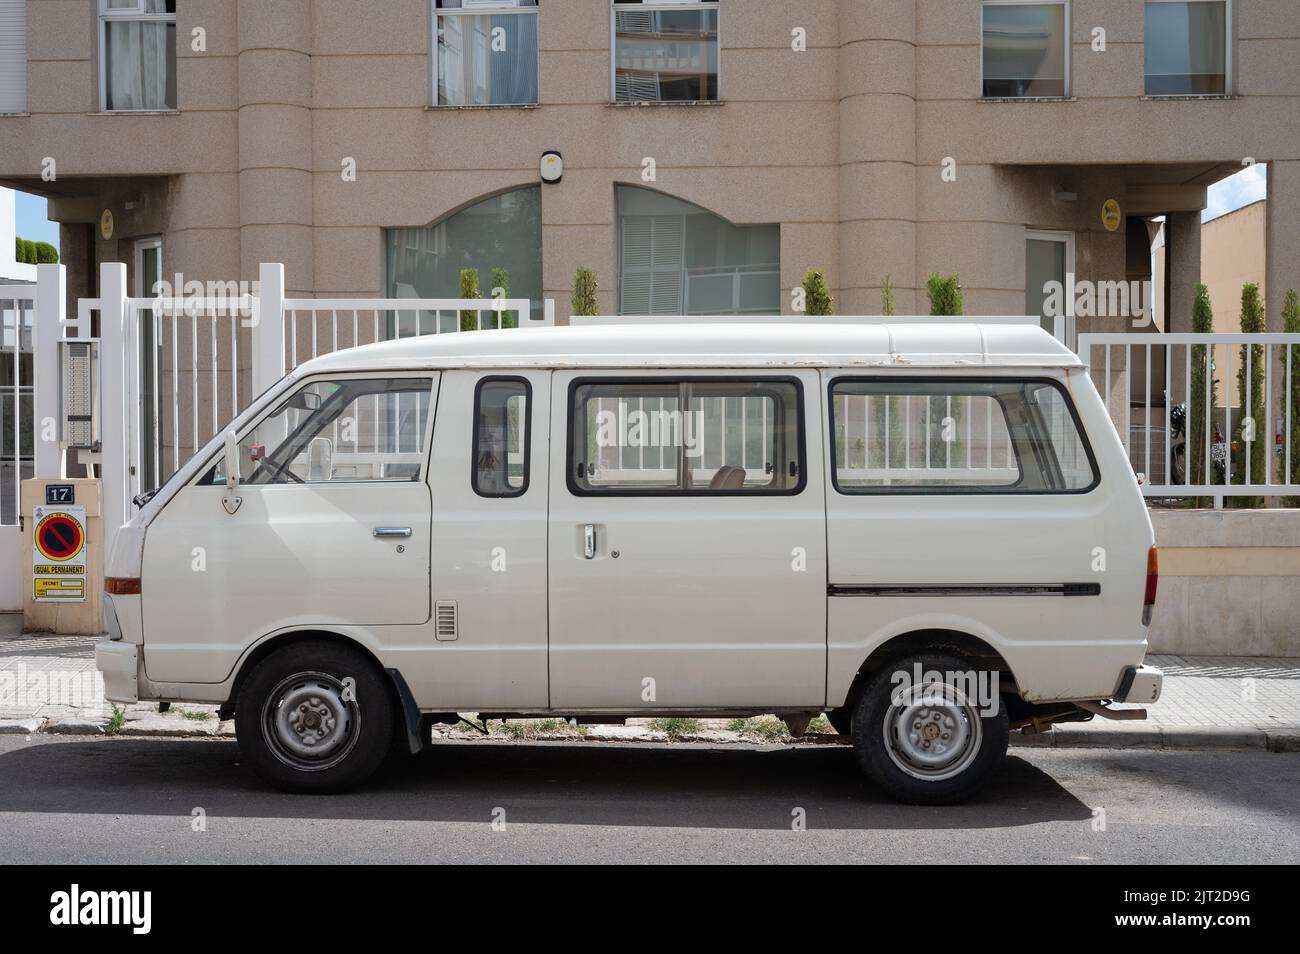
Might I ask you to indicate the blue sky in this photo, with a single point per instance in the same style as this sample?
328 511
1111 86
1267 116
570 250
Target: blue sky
32 224
1247 186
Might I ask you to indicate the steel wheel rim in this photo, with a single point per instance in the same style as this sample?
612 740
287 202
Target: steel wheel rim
308 723
932 732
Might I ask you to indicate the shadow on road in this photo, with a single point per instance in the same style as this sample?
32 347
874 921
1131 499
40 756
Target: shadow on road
745 787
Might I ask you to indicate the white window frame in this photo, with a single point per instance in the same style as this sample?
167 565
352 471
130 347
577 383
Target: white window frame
1067 333
615 6
141 246
472 8
105 16
1068 91
1228 34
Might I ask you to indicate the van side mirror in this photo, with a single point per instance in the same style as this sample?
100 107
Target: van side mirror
320 459
305 401
231 499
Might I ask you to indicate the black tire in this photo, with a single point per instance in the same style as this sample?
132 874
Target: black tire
841 720
353 727
899 765
1178 465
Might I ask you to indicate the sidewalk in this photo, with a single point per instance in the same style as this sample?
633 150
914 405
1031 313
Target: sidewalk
50 684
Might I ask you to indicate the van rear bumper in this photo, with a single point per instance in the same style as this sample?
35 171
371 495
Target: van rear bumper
1140 684
119 662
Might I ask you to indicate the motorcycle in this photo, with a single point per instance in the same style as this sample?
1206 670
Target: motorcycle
1178 449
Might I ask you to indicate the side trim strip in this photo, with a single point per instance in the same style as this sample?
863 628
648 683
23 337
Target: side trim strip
965 589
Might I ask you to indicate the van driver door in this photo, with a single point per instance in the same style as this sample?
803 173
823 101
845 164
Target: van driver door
333 528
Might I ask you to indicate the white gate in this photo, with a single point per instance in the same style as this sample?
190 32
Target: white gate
31 322
175 370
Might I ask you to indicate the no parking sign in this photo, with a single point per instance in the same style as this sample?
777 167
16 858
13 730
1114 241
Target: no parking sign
58 550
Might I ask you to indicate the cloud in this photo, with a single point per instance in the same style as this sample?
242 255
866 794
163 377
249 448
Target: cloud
1227 195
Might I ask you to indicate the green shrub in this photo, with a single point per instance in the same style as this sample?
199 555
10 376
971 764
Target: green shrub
469 289
25 251
945 294
583 298
1291 325
887 304
817 298
1202 324
46 254
676 727
501 280
1249 460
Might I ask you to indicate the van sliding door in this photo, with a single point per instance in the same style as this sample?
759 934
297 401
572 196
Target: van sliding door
687 541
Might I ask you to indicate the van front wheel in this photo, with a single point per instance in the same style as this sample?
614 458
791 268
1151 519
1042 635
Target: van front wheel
932 743
314 717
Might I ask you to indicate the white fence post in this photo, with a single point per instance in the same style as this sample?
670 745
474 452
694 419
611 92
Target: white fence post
268 328
51 311
114 380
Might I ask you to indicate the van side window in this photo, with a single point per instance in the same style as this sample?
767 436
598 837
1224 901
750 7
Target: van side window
957 436
501 437
351 429
686 436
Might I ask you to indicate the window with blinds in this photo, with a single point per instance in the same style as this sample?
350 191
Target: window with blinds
13 56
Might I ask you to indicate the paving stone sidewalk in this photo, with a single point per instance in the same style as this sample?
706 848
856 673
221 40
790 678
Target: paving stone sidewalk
50 684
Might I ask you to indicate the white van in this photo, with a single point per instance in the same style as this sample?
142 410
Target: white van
928 531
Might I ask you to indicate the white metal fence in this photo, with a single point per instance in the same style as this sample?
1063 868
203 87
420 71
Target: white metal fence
175 369
1235 393
17 430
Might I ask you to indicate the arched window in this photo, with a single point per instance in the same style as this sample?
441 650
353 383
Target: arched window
500 232
675 258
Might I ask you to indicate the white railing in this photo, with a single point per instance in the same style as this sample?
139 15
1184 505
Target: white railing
1223 449
174 369
183 365
17 430
316 326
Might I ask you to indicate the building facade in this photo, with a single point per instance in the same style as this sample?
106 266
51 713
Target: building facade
712 152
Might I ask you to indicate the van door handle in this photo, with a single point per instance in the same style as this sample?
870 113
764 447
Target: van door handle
392 531
589 541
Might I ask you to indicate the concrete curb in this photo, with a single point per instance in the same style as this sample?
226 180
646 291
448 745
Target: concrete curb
169 727
1282 739
1179 737
20 726
75 727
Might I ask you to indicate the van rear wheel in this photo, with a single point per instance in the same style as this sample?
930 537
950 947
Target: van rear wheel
932 743
314 717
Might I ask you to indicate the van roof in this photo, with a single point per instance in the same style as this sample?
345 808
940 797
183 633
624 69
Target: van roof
797 342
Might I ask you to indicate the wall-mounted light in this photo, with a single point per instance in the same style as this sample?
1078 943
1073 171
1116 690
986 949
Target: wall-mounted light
552 166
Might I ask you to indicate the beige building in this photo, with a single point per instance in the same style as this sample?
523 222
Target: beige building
712 152
1233 253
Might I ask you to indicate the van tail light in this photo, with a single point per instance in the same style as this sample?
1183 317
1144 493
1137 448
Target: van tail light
1153 579
122 585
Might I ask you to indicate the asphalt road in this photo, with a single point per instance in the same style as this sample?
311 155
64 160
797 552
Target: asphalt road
78 800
